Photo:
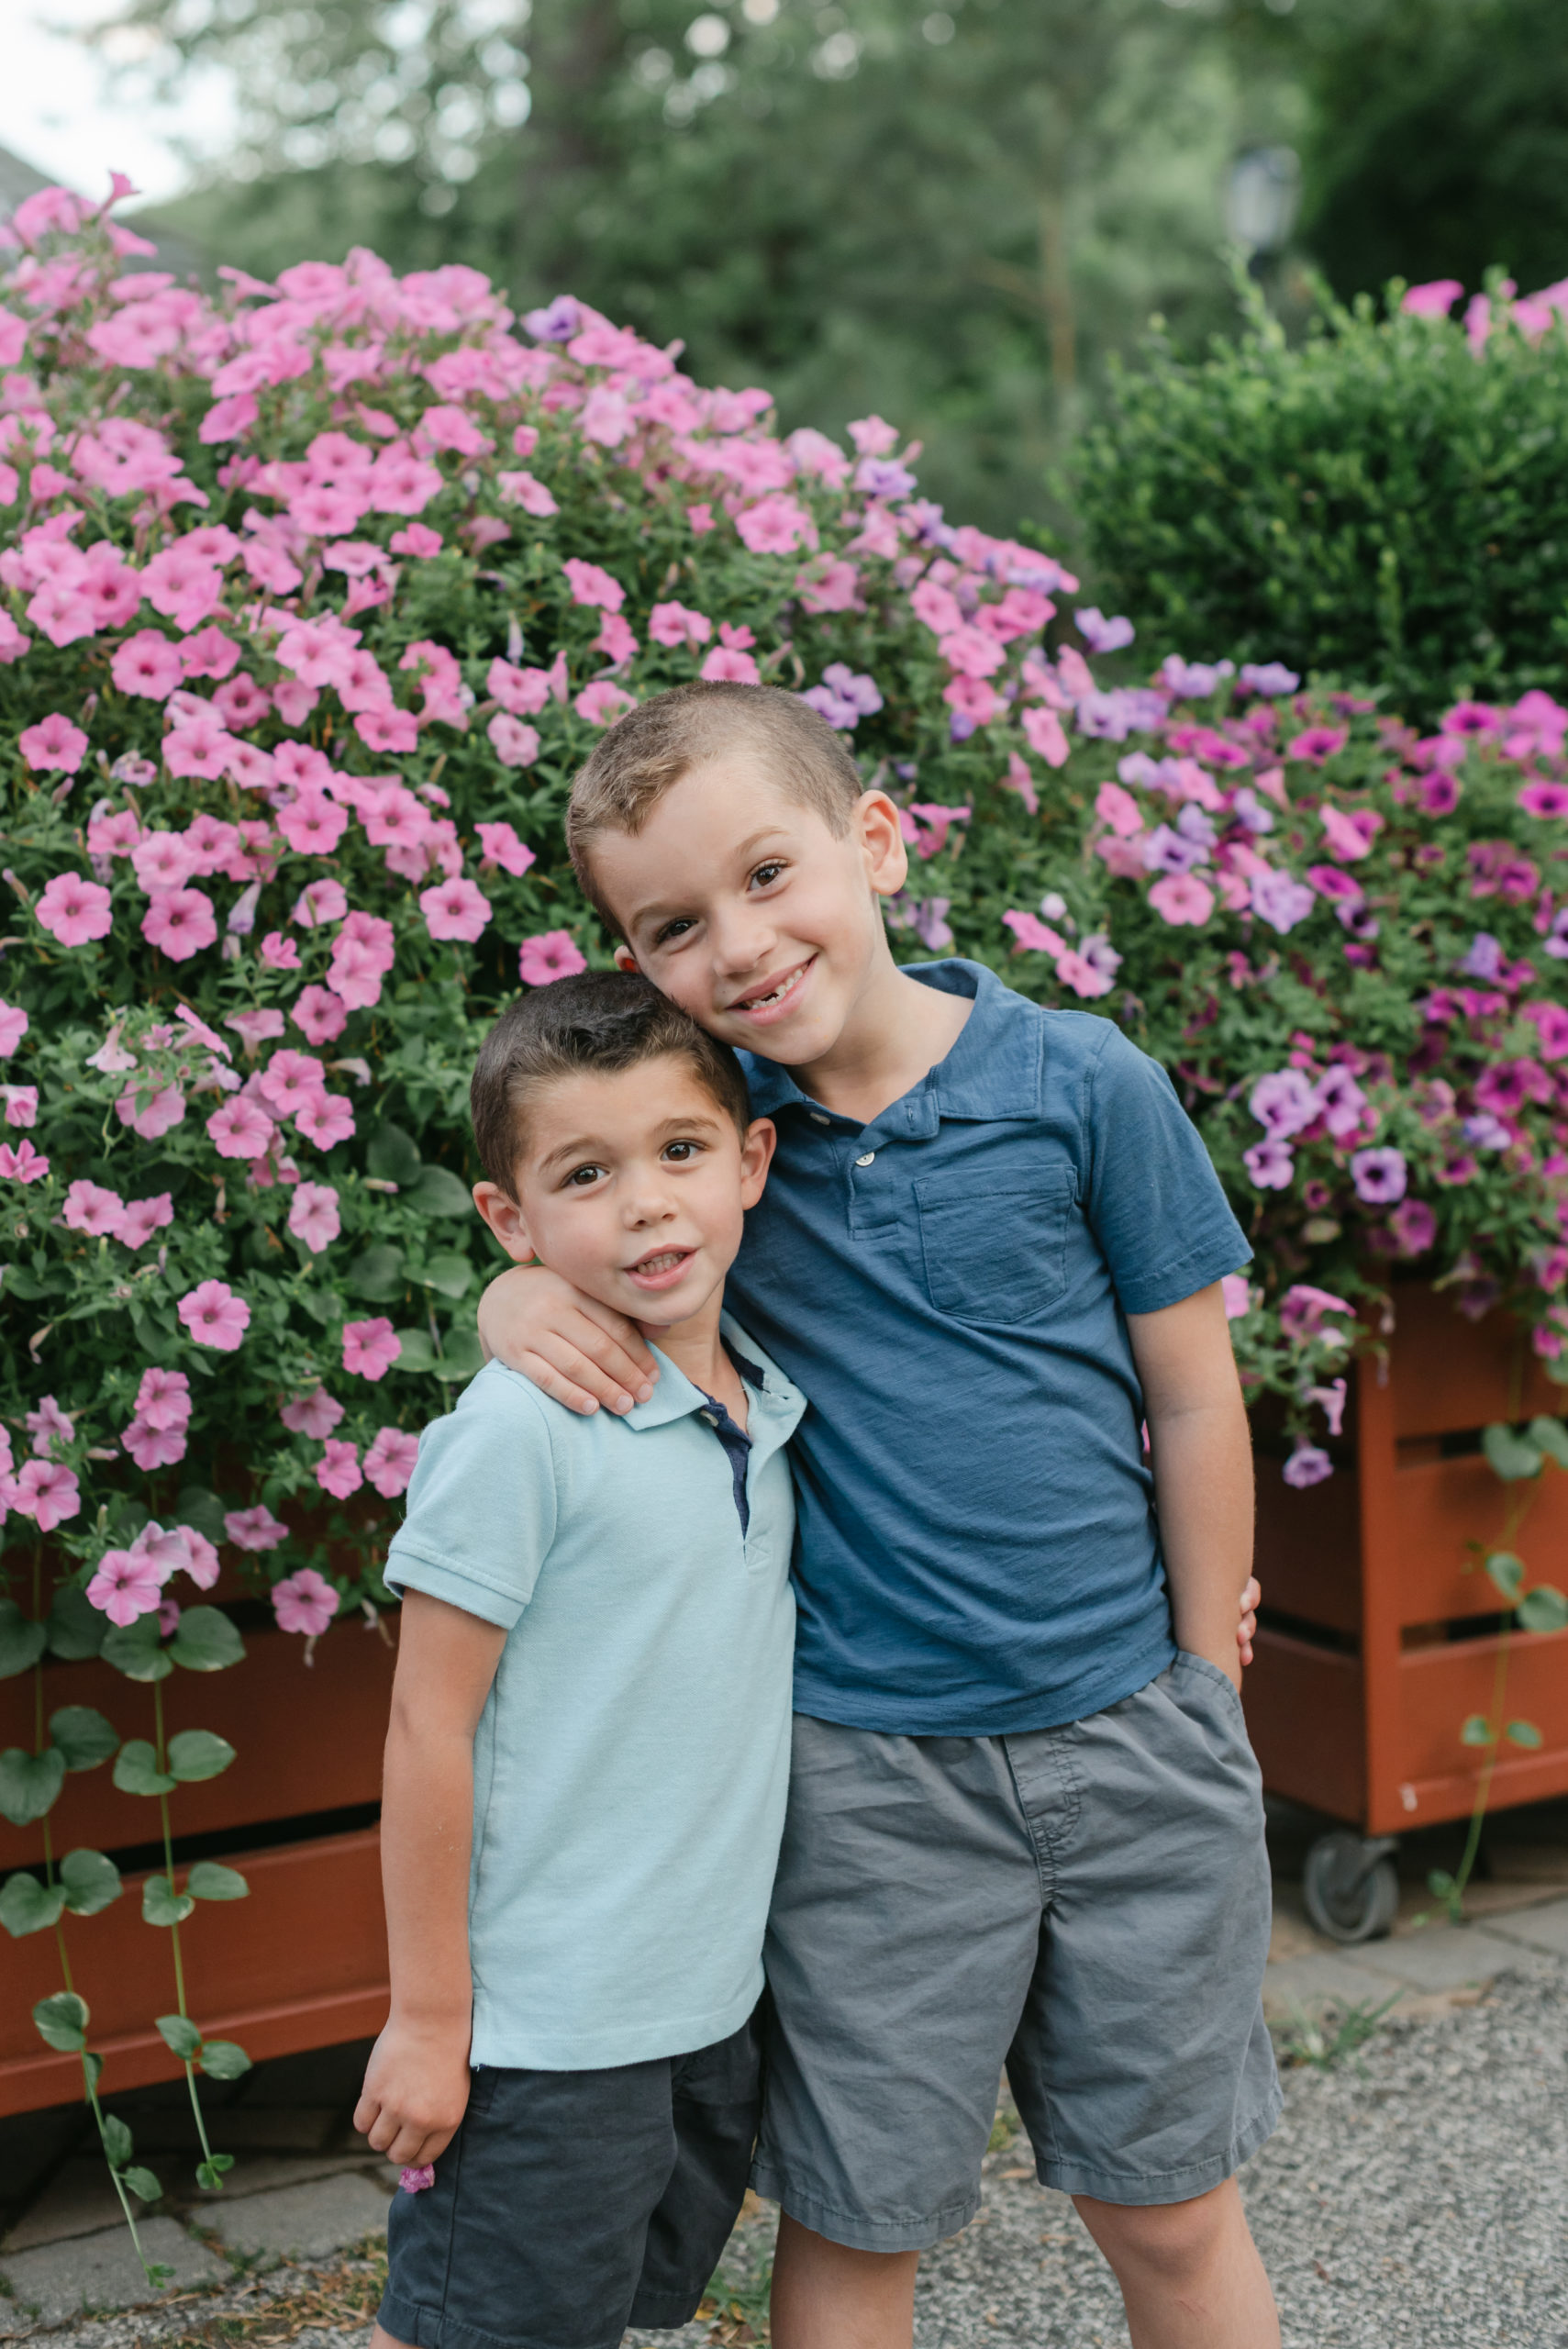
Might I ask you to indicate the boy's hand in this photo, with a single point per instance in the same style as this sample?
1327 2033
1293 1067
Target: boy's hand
576 1351
1247 1629
414 2094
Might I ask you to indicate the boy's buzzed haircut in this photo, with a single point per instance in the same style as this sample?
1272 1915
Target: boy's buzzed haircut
598 1021
648 749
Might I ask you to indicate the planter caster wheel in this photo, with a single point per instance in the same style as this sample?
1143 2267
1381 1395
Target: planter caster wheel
1352 1887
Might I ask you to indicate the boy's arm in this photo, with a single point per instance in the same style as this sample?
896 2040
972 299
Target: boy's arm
417 2083
1203 1469
576 1349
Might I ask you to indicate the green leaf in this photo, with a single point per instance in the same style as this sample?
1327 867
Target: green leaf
119 2142
1557 1369
180 2036
1525 1733
63 2022
1544 1608
158 2273
91 1881
1477 1731
210 1880
201 1508
377 1275
143 2185
137 1650
320 1304
222 2059
84 1736
161 1905
417 1353
1508 1571
393 1156
76 1629
1439 1884
438 1192
462 1356
199 1753
137 1770
93 2067
29 1907
1512 1457
21 1640
206 1641
30 1784
449 1273
1551 1437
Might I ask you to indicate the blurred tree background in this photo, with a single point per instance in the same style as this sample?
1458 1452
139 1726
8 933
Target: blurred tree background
954 215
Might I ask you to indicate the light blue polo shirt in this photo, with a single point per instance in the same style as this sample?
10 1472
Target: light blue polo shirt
631 1762
977 1549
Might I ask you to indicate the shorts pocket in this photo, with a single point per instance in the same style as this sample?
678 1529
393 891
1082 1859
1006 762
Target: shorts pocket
995 1255
1186 1660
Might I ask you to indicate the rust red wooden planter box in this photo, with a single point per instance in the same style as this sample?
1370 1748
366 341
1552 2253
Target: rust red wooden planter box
1375 1644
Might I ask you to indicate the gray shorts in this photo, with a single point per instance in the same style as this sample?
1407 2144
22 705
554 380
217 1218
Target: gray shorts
1089 1905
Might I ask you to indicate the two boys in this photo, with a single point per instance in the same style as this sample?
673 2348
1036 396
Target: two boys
1024 1823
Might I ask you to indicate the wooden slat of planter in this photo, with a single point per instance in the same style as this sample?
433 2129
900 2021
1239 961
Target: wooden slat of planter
1450 1374
1304 1715
306 1738
1439 1687
1444 1504
301 1964
1308 1548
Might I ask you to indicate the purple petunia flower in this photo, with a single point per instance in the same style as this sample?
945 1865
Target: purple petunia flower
1102 635
883 477
1280 901
1340 1101
1308 1464
557 323
1270 678
1270 1165
1485 960
1167 851
1193 680
1250 810
1486 1131
1285 1101
1380 1175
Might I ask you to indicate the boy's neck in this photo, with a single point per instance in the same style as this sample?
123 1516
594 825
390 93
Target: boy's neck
897 1031
697 1348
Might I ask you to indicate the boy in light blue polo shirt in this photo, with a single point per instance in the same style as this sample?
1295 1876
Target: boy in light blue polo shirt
587 1765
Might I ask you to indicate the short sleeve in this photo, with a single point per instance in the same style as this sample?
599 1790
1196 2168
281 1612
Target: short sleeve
481 1505
1156 1205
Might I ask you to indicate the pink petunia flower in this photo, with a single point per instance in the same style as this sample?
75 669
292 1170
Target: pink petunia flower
318 904
499 845
91 1208
144 1216
1544 799
14 1022
148 663
593 587
254 1528
53 742
455 909
163 1398
255 1028
370 1348
47 1492
1270 1165
1308 1464
553 954
153 1448
515 743
280 954
417 2181
1380 1175
242 1128
21 1104
290 1080
162 859
151 1116
215 1316
326 1121
1414 1225
724 665
1317 743
319 1015
390 1461
602 703
314 1413
1182 897
124 1587
355 972
337 1471
180 922
304 1602
23 1164
675 624
74 910
49 1425
313 1215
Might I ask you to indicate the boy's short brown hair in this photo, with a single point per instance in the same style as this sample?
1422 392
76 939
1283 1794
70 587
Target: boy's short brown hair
603 1020
648 749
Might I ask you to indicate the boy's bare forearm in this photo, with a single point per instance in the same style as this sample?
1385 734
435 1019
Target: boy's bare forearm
425 1838
1203 1492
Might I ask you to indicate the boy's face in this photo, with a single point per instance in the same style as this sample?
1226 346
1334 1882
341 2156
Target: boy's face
632 1186
743 906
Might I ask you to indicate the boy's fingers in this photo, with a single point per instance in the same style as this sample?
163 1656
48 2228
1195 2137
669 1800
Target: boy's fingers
580 1370
365 2113
632 1371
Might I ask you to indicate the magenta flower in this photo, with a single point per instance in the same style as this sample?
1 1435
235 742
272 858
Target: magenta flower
602 703
319 1015
390 1461
1380 1175
1034 936
1433 300
255 1028
1100 634
553 954
1270 1165
91 1208
162 859
515 743
180 922
152 1448
1280 901
455 909
675 625
499 845
144 1216
73 909
337 1471
1349 836
280 954
356 973
1270 678
215 1316
593 587
1414 1225
417 2181
1236 1290
327 1120
240 1128
1308 1464
314 1413
53 742
14 1024
304 1602
254 1528
313 825
124 1587
1283 1102
23 1164
313 1215
370 1348
1317 743
46 1491
150 1115
318 904
148 663
163 1398
48 1426
1545 799
1182 897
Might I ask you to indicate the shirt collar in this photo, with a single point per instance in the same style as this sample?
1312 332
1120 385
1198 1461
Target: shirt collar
675 1398
991 1072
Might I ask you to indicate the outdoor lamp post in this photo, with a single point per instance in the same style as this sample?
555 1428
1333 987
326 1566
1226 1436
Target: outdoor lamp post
1262 198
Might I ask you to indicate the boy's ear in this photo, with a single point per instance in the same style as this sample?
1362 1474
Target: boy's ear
505 1217
756 1157
881 843
625 959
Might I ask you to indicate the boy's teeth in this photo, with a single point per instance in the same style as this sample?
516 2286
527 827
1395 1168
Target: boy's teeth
660 1264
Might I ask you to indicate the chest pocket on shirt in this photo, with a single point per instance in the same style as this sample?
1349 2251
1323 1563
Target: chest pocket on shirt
995 1255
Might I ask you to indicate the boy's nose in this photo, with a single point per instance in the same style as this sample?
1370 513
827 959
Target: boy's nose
740 942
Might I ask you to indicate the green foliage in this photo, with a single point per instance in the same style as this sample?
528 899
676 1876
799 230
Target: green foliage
1512 1458
21 1641
84 1736
1325 2039
1373 505
30 1784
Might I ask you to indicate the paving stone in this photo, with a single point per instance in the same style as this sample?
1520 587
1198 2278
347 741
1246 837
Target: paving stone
66 2279
268 2173
1544 1929
304 2221
1321 1976
1441 1957
78 2199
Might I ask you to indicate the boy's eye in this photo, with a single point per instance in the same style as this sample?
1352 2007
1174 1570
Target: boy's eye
764 875
682 1152
582 1177
669 931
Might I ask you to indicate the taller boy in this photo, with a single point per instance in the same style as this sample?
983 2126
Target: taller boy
1025 1823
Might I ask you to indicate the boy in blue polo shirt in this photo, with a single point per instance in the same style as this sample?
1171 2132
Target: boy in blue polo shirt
588 1756
1025 1822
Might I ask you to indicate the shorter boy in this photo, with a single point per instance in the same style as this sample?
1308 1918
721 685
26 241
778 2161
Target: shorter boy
587 1761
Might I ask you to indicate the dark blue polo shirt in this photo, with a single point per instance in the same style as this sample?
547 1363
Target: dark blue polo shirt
976 1550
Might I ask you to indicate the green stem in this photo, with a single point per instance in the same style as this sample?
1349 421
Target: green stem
120 2182
175 1929
1517 1510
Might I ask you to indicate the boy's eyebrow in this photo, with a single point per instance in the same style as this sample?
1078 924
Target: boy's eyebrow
591 1145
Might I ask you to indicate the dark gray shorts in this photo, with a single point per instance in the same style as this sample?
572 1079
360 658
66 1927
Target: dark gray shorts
571 2204
1089 1905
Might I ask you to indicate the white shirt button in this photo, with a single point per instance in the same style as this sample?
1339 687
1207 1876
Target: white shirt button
819 1120
865 1158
